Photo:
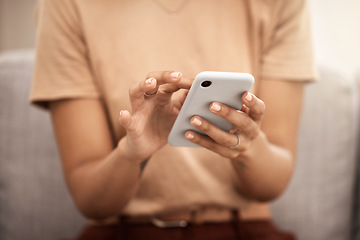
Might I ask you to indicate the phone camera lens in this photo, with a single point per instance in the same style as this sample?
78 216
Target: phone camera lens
206 83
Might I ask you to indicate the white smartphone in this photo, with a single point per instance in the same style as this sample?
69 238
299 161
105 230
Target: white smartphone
208 87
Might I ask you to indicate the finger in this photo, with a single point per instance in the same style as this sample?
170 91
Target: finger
136 92
125 119
164 77
255 105
244 109
184 83
220 136
210 144
179 101
183 97
238 118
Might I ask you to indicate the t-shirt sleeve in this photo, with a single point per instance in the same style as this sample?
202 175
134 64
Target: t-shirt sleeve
287 54
62 66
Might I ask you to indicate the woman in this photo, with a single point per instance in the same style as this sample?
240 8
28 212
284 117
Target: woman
97 58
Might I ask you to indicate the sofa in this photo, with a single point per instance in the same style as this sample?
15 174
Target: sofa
318 204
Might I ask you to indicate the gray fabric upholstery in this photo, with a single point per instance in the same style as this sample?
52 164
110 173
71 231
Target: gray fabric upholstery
355 234
318 202
34 202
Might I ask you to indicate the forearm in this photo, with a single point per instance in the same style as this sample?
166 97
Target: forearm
101 179
264 170
102 187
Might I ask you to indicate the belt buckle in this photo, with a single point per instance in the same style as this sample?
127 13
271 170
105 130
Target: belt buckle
168 224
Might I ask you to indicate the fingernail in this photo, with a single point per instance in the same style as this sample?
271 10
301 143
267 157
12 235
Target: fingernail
175 75
248 97
196 122
148 81
121 112
190 136
215 107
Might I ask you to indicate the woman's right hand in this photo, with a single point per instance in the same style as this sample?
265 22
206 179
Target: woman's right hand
153 112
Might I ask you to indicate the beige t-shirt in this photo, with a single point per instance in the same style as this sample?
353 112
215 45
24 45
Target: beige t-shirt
99 48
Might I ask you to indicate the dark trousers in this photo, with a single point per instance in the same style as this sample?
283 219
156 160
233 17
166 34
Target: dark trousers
236 230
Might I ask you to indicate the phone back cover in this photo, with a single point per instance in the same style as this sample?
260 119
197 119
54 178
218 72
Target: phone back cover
226 88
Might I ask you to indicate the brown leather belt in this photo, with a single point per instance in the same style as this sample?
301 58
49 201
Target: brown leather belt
183 219
208 214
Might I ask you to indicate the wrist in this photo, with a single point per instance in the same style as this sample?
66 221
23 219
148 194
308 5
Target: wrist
131 155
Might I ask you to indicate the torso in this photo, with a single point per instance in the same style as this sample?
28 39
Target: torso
137 37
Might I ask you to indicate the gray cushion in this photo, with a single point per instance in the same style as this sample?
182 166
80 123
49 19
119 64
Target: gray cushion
317 204
34 202
356 206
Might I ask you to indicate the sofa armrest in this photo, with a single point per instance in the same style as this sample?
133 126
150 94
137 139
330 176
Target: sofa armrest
34 202
318 202
355 234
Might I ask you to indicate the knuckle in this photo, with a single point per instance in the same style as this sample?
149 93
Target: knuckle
252 126
254 133
225 111
260 109
205 126
251 130
166 73
211 145
196 140
246 123
226 141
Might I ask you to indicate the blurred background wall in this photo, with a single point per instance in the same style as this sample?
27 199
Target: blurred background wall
336 33
336 30
17 28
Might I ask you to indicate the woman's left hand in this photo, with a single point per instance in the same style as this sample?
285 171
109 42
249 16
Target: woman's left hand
246 127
